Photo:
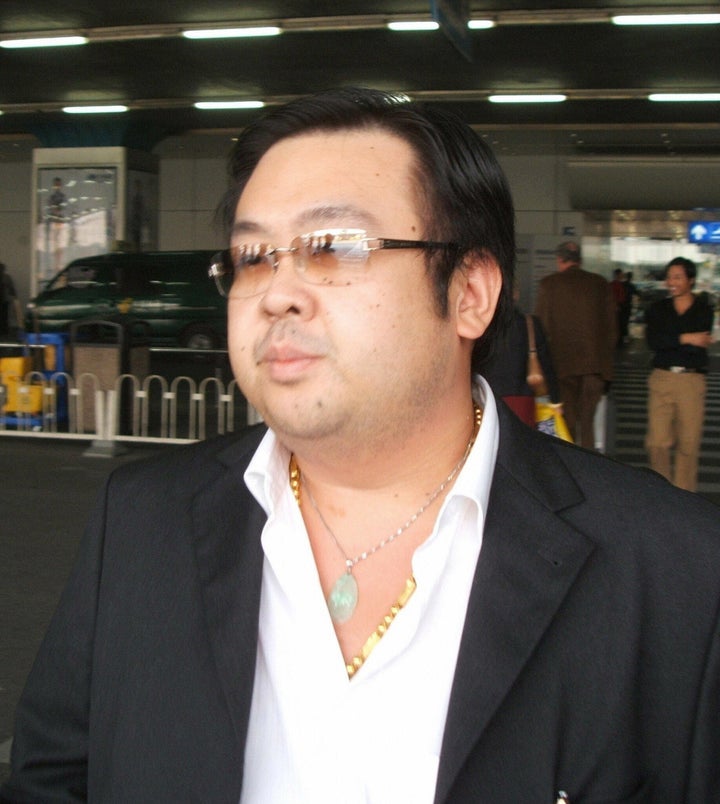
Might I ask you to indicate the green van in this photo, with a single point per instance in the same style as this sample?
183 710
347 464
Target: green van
167 294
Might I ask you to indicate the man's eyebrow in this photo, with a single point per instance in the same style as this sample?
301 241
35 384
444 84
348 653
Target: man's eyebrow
326 214
245 227
332 213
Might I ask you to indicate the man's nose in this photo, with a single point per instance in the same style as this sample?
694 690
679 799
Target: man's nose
286 292
288 257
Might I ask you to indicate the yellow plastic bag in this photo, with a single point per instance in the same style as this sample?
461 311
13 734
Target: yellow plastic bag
549 419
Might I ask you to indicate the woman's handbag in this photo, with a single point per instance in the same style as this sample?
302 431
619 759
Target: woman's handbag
549 419
548 415
535 377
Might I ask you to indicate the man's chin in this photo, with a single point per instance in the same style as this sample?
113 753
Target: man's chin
308 421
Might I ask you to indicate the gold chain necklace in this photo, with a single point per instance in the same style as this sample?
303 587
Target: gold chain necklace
343 598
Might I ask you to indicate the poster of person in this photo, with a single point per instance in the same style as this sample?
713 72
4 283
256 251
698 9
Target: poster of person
76 208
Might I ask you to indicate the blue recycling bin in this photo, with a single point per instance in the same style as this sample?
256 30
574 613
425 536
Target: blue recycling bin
54 362
49 352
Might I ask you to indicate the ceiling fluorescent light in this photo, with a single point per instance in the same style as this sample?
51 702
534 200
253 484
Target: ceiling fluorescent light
45 41
249 104
116 107
684 96
527 98
420 25
666 19
480 25
227 33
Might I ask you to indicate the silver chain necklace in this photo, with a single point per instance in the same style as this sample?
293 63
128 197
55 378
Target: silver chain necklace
343 598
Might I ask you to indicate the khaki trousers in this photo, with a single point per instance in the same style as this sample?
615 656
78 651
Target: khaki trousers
676 407
580 396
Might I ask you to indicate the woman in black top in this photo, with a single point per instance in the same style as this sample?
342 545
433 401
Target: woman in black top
678 330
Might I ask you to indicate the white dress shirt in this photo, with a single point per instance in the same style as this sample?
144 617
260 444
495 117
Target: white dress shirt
316 736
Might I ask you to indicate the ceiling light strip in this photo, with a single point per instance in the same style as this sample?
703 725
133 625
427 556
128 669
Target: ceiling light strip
519 98
480 25
666 19
229 33
413 25
683 97
44 41
246 104
110 108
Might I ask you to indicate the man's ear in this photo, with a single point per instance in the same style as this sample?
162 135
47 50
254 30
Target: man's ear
479 282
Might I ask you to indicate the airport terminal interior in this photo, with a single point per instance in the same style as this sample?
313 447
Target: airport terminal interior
117 140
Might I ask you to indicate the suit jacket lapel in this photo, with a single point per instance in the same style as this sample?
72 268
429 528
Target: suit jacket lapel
228 525
529 559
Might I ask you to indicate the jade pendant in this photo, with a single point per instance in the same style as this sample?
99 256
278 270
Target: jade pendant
343 598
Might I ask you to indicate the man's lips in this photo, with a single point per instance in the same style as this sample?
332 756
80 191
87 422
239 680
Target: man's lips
286 361
284 354
287 351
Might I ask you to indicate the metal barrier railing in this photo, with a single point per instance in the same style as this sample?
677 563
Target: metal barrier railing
151 409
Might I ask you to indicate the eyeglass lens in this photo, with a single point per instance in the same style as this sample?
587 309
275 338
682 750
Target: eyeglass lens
248 269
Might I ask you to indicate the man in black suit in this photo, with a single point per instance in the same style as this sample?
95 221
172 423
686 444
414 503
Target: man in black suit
397 592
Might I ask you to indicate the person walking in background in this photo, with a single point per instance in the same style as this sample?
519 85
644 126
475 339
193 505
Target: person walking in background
579 317
506 369
678 331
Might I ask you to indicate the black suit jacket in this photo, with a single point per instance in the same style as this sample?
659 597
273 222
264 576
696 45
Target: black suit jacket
590 659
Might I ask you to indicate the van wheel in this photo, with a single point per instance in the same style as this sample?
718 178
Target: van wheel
199 338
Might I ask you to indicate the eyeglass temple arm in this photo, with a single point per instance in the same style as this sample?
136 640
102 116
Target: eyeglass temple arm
384 243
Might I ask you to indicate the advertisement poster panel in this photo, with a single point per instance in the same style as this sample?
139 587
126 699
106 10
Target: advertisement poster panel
76 216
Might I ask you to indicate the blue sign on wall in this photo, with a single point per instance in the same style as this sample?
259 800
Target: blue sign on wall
704 231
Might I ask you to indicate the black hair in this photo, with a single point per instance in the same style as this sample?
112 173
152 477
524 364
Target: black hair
687 265
463 194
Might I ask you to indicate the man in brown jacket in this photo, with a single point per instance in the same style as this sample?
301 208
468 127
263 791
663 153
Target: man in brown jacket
577 312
